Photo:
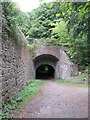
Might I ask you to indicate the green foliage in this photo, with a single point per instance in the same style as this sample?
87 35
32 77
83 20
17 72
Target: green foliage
40 19
81 76
32 48
72 30
13 15
51 41
87 69
78 49
21 98
77 15
62 33
14 20
74 75
63 24
85 78
19 36
69 82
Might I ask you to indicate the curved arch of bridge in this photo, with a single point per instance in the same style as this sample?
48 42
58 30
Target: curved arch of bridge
45 66
45 71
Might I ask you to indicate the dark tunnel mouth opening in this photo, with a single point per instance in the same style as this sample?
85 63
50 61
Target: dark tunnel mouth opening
45 71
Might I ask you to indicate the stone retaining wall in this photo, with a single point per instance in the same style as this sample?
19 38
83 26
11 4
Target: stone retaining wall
16 66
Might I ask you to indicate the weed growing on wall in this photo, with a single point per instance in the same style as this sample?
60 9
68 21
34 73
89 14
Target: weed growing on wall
32 48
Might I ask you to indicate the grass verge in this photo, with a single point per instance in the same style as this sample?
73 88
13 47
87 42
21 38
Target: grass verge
20 99
69 82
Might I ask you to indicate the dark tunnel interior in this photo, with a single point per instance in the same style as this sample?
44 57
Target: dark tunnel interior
45 72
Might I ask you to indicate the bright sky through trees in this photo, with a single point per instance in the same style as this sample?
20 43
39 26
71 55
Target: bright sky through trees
28 5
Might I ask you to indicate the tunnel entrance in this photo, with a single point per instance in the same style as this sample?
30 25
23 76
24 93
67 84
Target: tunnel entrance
45 72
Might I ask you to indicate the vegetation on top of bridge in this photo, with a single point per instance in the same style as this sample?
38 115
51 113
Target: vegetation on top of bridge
55 23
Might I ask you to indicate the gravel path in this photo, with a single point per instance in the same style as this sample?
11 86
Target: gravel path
58 101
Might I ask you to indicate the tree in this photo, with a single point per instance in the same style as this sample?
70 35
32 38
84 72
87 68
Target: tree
40 19
15 21
76 16
13 15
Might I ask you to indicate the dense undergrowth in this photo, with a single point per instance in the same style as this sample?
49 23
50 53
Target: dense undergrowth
19 100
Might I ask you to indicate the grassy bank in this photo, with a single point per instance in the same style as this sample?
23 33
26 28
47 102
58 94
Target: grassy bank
69 82
20 99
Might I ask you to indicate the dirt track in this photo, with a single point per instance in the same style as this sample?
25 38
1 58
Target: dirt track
58 101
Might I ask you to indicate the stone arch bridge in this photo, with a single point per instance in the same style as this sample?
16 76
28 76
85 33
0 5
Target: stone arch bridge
52 62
